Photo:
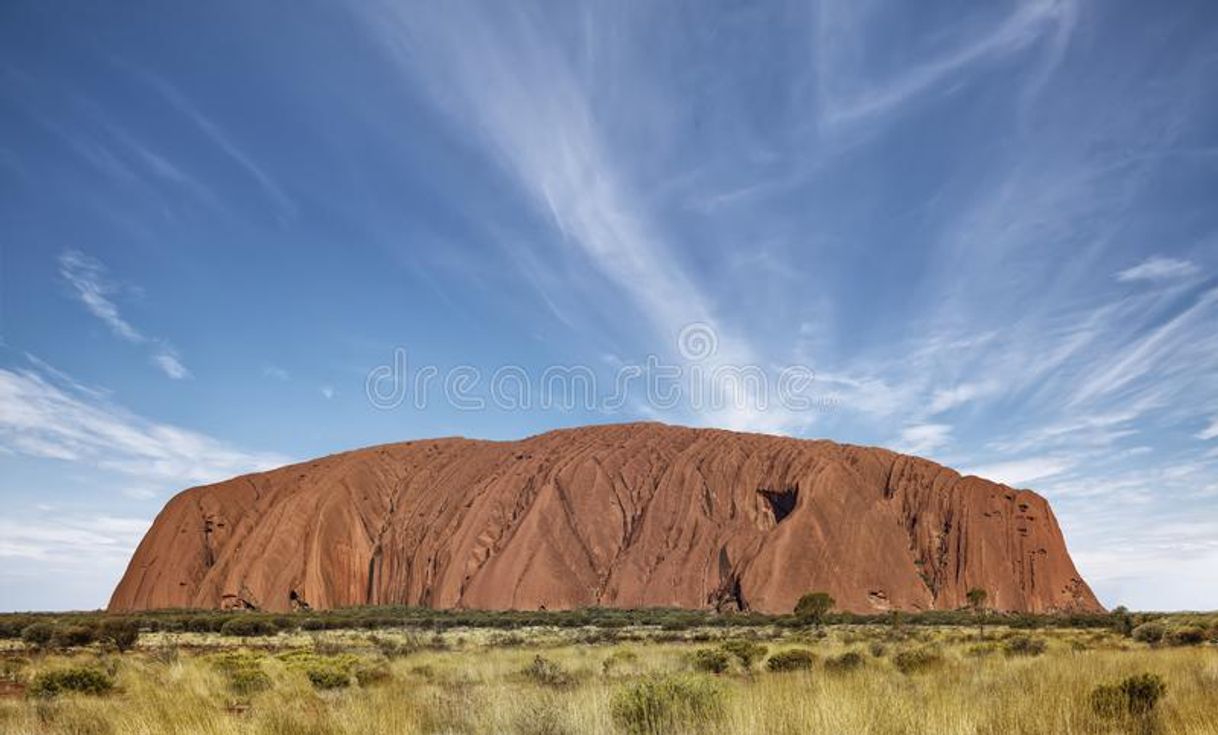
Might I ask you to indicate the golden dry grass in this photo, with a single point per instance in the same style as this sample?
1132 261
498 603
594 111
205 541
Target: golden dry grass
477 686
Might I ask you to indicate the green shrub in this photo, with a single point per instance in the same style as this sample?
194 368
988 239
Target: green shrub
848 661
792 659
74 636
372 673
37 635
746 652
916 660
328 676
203 624
80 679
1149 633
1189 635
548 673
666 704
246 680
243 627
1022 645
12 626
120 633
1135 695
229 661
394 648
1122 621
812 607
710 660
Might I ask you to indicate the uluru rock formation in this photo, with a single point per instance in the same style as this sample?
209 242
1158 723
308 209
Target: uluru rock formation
632 515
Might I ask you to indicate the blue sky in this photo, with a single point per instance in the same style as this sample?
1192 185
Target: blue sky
988 229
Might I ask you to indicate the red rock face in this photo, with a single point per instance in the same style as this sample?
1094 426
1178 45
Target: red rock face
633 515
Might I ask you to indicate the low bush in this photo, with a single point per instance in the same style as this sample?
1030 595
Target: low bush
792 659
878 649
1022 645
78 679
12 626
746 652
328 676
243 627
372 672
666 704
1135 696
548 673
1149 633
710 660
228 661
848 661
396 648
1189 635
247 680
203 624
121 633
37 635
74 636
916 660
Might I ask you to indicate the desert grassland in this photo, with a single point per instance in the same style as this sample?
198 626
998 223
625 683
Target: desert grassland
486 681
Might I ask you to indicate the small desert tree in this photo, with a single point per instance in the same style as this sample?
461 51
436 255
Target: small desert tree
976 602
812 607
1122 620
120 633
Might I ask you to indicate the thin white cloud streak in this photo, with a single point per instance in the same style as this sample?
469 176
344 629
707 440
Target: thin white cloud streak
1021 471
839 25
1151 351
167 360
1209 432
70 539
221 139
41 416
500 72
89 278
945 399
1158 268
923 439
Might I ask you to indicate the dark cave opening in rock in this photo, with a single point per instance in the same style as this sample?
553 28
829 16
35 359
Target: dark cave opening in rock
781 502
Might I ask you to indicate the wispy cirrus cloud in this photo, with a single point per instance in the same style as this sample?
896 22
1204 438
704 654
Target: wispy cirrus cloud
92 285
924 438
945 399
846 96
1159 268
167 360
88 278
502 73
44 415
284 204
1209 432
1019 472
70 538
